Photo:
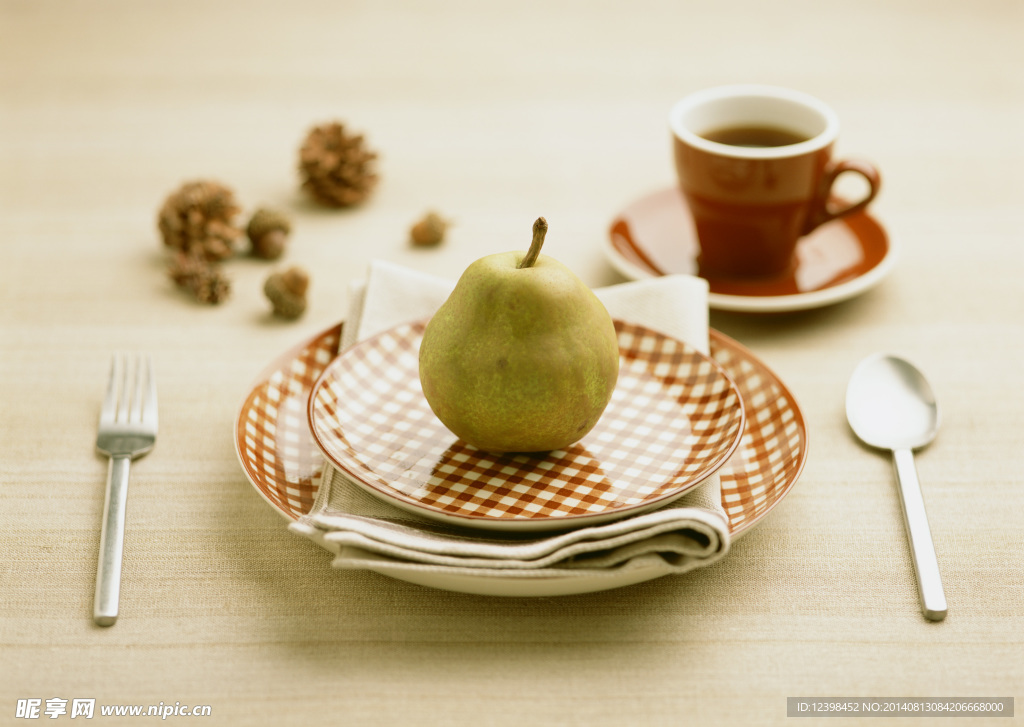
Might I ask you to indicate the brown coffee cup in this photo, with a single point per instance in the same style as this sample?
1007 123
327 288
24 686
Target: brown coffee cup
755 167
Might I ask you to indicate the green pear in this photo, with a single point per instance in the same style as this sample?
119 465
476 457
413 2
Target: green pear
522 357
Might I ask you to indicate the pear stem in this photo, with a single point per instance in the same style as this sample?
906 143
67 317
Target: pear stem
540 229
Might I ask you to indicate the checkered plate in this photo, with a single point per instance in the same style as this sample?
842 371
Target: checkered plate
673 420
281 460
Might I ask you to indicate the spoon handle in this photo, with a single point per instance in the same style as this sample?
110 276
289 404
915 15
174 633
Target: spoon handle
929 582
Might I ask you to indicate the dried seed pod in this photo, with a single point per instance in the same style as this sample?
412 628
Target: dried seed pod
429 230
198 276
287 292
198 219
336 167
268 232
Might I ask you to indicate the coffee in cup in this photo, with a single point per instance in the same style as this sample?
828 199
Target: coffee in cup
755 167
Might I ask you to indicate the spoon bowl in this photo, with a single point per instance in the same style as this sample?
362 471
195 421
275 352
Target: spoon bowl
890 405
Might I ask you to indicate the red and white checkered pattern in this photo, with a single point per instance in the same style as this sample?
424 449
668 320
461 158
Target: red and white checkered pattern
282 461
773 450
674 418
272 436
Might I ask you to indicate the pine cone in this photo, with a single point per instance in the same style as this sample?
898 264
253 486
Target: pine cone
336 168
199 219
200 277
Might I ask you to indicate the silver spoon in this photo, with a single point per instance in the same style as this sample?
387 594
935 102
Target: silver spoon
890 405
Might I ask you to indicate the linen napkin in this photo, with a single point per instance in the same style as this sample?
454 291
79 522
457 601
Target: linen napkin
364 531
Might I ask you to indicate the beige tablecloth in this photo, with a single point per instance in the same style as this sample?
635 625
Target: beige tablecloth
492 114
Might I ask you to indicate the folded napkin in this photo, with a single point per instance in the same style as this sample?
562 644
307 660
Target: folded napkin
364 531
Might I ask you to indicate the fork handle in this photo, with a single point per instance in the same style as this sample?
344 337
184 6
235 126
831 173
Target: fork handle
108 571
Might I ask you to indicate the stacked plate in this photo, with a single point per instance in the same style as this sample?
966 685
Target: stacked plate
676 418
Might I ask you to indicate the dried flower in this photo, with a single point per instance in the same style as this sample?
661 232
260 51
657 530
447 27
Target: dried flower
268 232
287 292
429 230
336 168
199 219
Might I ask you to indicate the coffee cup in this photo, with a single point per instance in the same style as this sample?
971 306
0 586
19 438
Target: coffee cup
755 167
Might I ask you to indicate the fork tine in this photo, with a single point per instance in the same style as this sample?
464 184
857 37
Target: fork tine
148 401
138 382
109 411
125 391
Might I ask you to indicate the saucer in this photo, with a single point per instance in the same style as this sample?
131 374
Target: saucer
841 259
283 464
674 419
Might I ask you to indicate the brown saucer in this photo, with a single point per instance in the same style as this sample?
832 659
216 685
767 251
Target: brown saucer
655 236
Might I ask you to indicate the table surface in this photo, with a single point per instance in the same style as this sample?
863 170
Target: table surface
492 114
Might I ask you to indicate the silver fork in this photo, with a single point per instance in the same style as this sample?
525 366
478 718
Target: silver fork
127 430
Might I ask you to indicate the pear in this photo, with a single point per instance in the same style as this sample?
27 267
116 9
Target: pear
522 357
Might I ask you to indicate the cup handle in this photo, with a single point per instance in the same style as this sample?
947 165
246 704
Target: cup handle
826 208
